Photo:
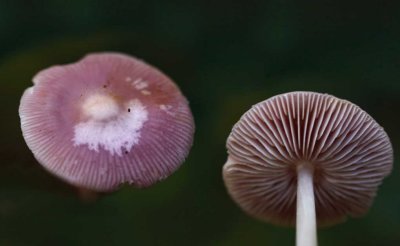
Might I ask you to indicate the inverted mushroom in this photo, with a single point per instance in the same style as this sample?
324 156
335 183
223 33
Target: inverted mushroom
106 120
306 158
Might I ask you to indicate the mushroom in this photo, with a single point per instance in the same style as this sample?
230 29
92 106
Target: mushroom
106 120
305 158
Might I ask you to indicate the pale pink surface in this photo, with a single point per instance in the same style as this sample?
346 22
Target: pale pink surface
349 152
52 108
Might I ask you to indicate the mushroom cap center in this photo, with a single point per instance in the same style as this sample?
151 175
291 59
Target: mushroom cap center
100 107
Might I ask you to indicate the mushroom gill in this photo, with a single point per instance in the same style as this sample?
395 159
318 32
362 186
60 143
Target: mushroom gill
346 152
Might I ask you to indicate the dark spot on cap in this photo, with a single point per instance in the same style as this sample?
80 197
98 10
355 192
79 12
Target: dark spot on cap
129 109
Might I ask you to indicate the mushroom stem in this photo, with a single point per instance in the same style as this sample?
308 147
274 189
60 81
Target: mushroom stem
87 195
306 234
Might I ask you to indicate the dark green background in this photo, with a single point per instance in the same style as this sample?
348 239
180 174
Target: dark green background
225 56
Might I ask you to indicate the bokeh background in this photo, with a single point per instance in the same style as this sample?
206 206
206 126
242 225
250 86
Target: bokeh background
225 56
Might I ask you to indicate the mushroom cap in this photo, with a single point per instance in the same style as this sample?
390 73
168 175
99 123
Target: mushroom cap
106 120
349 152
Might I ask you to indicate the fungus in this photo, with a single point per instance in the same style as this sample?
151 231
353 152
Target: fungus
306 158
90 124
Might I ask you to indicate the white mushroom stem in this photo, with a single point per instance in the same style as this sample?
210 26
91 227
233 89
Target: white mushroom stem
306 233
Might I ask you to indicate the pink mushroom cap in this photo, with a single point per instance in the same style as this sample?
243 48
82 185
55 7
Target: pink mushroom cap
107 120
349 152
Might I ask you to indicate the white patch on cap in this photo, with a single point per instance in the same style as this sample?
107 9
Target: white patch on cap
115 135
100 107
140 84
128 79
146 92
166 109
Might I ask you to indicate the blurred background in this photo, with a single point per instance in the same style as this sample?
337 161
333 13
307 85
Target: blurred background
225 56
